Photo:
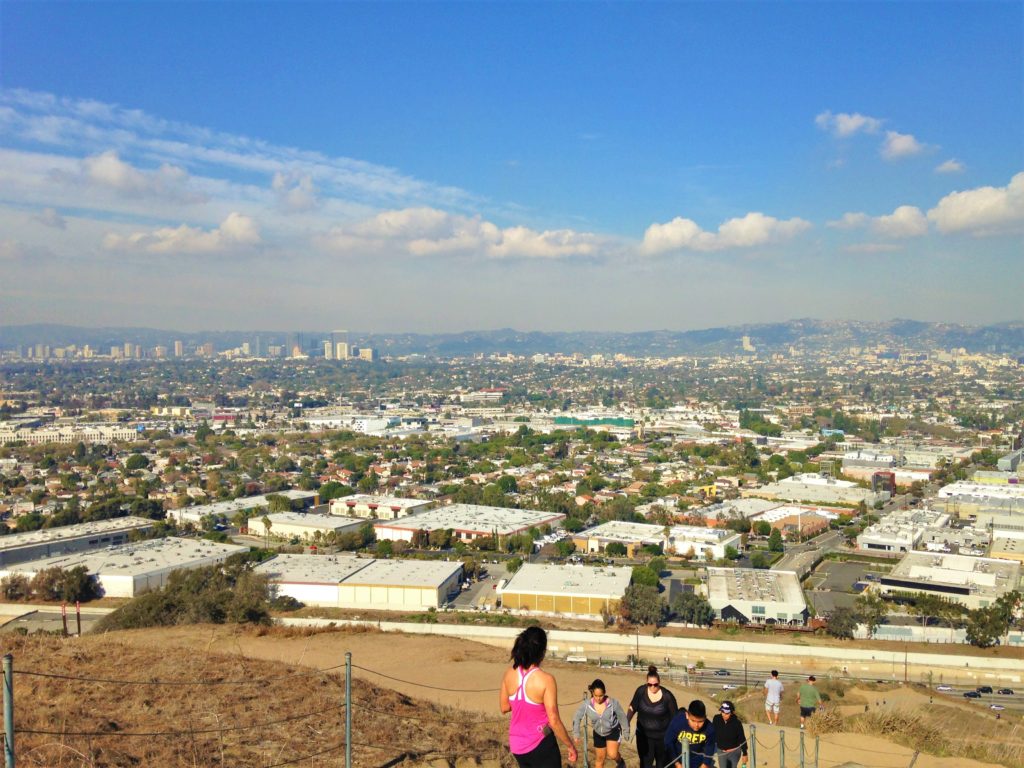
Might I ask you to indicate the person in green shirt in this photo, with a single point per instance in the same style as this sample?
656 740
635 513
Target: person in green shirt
808 698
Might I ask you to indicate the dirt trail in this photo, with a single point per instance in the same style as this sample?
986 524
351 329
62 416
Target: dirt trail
465 674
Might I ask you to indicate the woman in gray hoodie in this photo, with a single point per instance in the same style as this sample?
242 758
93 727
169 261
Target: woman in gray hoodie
608 719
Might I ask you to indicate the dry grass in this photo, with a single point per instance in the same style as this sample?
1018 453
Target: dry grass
389 729
941 731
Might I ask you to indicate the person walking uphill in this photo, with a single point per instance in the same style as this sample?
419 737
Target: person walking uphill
692 726
654 708
773 689
608 719
808 698
531 695
730 738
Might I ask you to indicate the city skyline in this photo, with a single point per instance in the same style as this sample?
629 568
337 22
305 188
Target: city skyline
549 168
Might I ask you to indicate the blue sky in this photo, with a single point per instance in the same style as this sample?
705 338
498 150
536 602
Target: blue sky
476 165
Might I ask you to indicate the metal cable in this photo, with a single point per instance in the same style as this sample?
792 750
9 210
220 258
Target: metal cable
191 731
295 675
424 685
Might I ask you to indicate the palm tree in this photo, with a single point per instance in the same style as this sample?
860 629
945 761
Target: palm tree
267 525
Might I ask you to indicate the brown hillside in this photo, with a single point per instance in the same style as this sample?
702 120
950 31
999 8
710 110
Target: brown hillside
223 710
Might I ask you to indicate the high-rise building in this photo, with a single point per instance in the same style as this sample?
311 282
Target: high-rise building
127 349
159 352
328 350
368 353
339 342
207 349
179 348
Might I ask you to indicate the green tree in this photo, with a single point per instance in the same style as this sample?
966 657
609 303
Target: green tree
279 503
267 525
136 461
203 432
985 626
871 610
762 528
615 549
693 609
841 623
644 576
513 564
657 564
775 541
642 604
334 490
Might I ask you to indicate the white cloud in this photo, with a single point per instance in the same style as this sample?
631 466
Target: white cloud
905 221
844 124
950 166
748 231
96 128
430 232
49 217
108 171
982 211
850 221
236 232
897 145
296 192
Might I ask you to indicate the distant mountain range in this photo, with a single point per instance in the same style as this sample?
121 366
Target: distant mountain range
1003 338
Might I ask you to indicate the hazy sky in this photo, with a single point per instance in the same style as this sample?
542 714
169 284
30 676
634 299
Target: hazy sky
545 166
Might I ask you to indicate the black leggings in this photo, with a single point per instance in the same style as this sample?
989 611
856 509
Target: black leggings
651 748
544 755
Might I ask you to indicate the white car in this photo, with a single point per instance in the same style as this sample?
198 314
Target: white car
944 688
728 687
996 707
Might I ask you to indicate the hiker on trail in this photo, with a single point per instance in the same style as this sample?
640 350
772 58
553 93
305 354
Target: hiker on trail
808 698
773 689
691 725
531 695
730 738
654 708
608 719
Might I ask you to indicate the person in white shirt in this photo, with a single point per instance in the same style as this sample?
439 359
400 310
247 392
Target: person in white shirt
773 697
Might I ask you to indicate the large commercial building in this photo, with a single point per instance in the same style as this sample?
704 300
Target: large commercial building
975 582
378 507
901 530
467 522
573 590
634 536
985 504
302 525
228 509
817 489
98 433
131 569
51 542
347 581
755 596
695 541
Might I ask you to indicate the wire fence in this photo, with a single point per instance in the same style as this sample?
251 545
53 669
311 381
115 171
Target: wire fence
771 751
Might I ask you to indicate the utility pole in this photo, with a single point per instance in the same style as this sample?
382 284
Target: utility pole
348 709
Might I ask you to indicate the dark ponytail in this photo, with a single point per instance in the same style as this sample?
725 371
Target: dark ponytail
529 648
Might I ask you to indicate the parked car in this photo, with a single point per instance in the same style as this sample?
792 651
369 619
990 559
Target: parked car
996 707
1005 691
972 695
984 689
944 688
722 672
728 687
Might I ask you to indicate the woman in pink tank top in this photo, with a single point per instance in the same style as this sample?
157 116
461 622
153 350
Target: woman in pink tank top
531 695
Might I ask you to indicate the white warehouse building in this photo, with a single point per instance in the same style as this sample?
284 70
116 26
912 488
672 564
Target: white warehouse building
348 581
755 596
302 525
468 522
131 569
50 542
378 507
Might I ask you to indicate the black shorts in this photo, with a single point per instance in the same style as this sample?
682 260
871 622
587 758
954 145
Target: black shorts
544 755
600 742
807 711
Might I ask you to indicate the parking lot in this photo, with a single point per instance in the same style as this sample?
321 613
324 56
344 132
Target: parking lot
835 576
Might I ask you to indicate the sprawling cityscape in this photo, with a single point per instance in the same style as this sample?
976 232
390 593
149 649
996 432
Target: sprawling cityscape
511 385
